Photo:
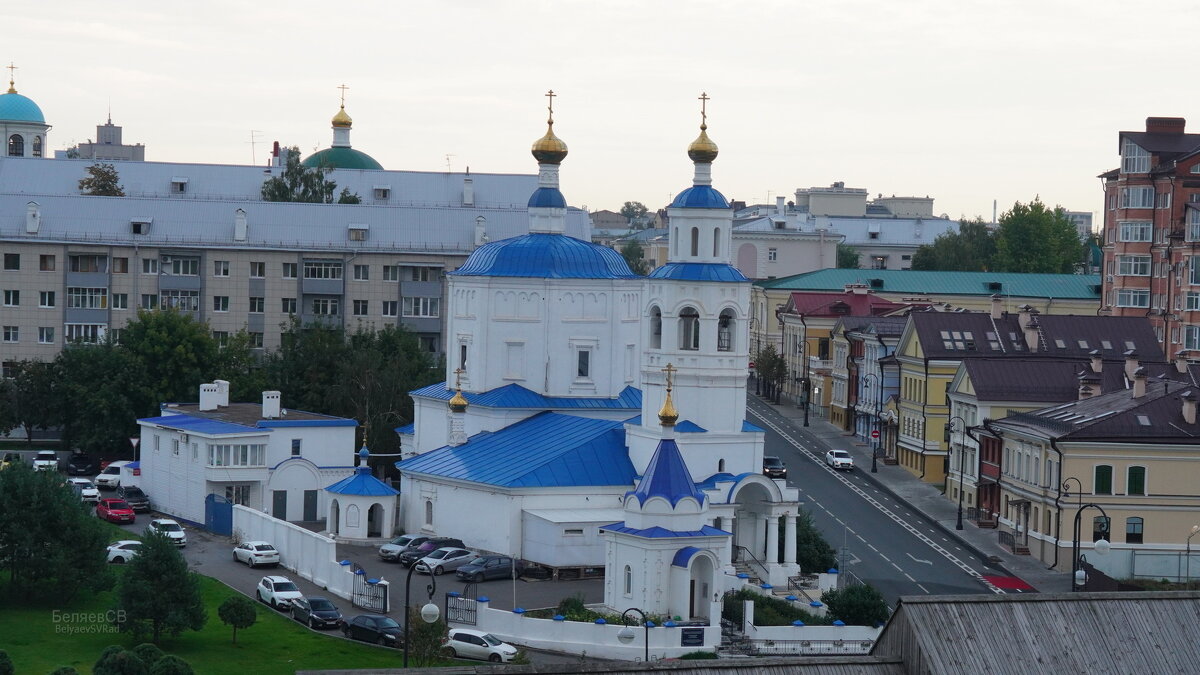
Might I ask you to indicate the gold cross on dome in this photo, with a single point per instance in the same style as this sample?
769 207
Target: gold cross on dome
669 370
703 107
11 68
550 95
343 88
458 378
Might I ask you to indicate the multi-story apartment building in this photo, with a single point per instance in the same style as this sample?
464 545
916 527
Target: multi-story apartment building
1152 231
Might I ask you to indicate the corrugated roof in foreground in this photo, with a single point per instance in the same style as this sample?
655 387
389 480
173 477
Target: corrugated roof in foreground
1008 284
792 665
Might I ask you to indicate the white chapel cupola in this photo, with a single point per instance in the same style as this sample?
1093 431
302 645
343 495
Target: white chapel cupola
22 125
698 237
547 206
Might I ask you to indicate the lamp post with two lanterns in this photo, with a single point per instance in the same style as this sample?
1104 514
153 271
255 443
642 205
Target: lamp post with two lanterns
429 612
962 462
625 635
1078 575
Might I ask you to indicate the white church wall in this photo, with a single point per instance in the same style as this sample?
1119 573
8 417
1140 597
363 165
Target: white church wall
310 555
297 476
323 446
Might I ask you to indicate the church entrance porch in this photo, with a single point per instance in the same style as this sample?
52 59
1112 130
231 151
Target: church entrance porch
761 519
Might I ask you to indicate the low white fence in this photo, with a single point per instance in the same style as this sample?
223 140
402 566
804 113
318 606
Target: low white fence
591 639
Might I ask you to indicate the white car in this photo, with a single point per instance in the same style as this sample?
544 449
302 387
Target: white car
444 560
84 488
476 644
121 552
169 528
255 553
839 459
45 460
110 477
278 592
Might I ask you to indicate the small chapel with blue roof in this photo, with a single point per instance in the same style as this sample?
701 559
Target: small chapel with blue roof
556 435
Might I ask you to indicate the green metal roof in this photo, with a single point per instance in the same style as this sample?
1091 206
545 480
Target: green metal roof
1067 286
341 158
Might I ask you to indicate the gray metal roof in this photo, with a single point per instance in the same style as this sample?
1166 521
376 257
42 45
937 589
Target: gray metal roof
814 665
1093 633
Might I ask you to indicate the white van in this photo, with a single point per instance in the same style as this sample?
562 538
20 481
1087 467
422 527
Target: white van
110 477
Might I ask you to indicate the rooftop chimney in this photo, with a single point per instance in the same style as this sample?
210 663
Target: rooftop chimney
1086 392
222 392
1139 383
1189 407
270 409
1181 363
1024 314
1097 361
210 396
1165 125
1131 364
780 208
858 289
997 307
1031 330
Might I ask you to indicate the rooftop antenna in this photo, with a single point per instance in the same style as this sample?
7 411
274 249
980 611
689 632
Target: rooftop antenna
448 156
110 110
253 142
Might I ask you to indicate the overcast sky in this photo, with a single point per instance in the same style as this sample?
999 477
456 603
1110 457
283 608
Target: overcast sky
965 101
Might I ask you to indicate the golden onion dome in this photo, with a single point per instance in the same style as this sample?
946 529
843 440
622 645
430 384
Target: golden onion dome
458 402
668 415
703 149
341 119
549 149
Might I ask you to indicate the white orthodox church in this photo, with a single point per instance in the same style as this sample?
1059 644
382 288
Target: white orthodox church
560 442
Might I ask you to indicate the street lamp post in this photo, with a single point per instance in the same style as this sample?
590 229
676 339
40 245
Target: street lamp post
962 462
429 613
876 432
1188 578
626 634
807 385
1078 576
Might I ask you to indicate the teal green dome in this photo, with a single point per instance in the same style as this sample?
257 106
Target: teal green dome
17 108
341 158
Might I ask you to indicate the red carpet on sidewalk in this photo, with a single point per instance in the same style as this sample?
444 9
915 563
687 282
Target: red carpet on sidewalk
1010 584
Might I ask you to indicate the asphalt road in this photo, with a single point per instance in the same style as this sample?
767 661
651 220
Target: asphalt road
878 539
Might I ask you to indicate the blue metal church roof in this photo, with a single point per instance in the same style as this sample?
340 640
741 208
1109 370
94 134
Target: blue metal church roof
700 197
545 197
201 425
516 396
362 483
667 476
545 256
698 272
17 108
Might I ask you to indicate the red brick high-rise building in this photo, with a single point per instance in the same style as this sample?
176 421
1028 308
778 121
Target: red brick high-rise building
1152 232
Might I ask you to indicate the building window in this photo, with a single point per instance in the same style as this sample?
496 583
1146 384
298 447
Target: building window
879 262
237 455
382 193
257 304
149 301
220 303
772 254
87 263
462 357
429 343
184 301
689 329
12 298
1133 265
256 340
12 334
46 299
87 298
358 234
391 307
1191 337
428 513
422 307
12 261
359 307
628 580
1133 297
725 326
1102 483
326 307
1164 200
237 494
37 146
46 336
1135 480
120 301
583 364
119 266
426 274
180 267
1101 528
1137 197
258 270
46 263
391 273
1133 530
322 270
655 328
1135 230
289 306
296 447
221 337
220 268
16 146
695 241
362 272
289 270
1134 159
149 265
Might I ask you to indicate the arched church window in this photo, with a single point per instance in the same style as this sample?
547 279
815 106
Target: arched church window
695 241
428 513
628 580
721 466
689 329
716 242
725 326
675 242
16 146
655 328
37 146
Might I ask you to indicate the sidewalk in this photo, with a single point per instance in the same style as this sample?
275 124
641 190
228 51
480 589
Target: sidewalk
929 501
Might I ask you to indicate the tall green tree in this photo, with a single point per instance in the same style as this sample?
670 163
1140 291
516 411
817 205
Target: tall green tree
238 611
1034 238
856 605
175 351
771 368
10 416
635 256
103 387
37 396
158 595
299 183
848 257
813 553
633 211
243 366
971 249
102 180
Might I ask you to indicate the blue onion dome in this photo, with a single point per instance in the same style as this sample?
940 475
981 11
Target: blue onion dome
546 256
363 452
17 108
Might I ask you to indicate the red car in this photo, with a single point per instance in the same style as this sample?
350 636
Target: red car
115 511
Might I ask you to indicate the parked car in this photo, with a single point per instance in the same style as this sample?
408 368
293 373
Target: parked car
839 459
45 460
490 567
121 552
278 592
382 630
446 559
316 612
255 553
115 511
170 529
84 489
81 464
773 467
133 494
412 555
110 476
475 644
391 551
9 459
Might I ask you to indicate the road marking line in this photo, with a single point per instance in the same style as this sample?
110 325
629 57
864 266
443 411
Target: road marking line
884 557
927 562
860 538
922 588
906 574
872 547
898 568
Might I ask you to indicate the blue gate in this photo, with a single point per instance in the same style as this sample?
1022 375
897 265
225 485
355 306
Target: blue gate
218 515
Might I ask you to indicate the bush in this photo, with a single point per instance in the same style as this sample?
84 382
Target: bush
699 656
6 664
238 611
148 653
857 605
768 611
65 670
171 665
120 662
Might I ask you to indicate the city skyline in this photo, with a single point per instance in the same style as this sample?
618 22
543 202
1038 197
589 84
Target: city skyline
929 98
